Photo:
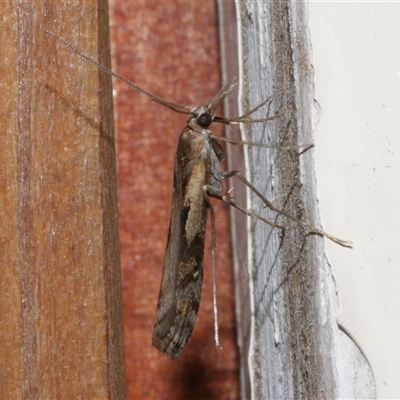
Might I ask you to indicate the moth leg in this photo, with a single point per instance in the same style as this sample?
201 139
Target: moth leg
311 229
209 190
226 199
235 142
245 117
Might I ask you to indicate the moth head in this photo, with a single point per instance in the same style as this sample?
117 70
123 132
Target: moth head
204 114
204 119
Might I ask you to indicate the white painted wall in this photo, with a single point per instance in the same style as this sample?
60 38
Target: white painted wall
356 56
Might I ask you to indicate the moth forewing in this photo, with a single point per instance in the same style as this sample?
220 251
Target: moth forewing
197 174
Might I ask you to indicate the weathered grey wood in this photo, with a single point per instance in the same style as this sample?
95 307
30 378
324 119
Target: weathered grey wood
287 309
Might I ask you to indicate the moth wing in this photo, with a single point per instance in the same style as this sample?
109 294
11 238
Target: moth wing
180 291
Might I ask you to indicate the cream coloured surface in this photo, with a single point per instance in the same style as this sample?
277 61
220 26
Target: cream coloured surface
356 59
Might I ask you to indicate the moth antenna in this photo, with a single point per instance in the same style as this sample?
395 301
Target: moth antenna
173 106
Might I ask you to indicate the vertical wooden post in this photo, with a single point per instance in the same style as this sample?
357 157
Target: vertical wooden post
290 341
61 332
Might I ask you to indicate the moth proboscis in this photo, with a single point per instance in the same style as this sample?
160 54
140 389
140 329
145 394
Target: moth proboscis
197 177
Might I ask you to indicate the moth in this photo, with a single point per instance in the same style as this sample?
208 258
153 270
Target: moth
197 177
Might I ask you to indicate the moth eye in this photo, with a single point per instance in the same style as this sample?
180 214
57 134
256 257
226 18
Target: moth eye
204 120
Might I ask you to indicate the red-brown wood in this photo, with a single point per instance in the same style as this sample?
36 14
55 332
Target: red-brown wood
170 48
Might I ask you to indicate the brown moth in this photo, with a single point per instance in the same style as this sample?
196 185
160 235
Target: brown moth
197 177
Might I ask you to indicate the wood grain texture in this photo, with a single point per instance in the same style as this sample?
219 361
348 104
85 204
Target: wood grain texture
61 331
170 48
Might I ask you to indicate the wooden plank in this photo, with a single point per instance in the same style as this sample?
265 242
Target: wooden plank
290 340
60 259
10 285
